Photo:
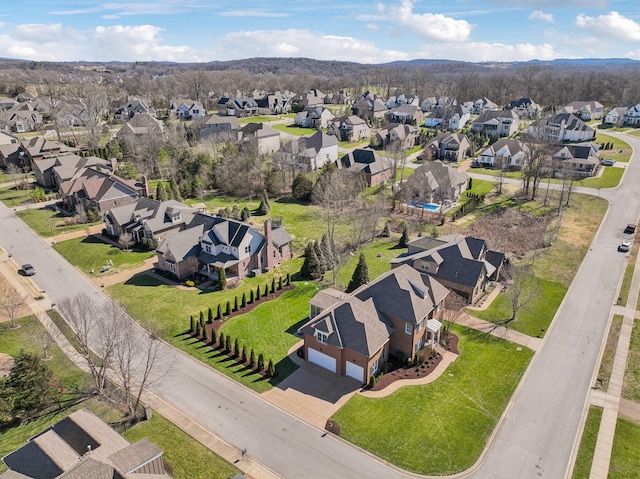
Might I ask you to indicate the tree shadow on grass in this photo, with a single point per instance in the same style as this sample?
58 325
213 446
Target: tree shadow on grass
184 333
293 329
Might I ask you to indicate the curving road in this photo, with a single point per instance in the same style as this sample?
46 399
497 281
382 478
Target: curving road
534 439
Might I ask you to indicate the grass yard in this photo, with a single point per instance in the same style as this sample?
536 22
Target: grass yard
610 178
91 254
582 467
631 383
623 294
625 457
516 175
610 351
48 222
11 196
347 145
620 151
634 133
259 119
440 428
167 309
187 457
386 247
291 129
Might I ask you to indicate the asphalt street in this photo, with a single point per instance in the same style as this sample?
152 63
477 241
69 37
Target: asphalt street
534 439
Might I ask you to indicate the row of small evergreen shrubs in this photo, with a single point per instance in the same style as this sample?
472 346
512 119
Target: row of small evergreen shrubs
233 348
474 200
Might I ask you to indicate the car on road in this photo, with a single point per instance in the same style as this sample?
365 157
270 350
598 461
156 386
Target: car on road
624 246
631 228
28 270
608 162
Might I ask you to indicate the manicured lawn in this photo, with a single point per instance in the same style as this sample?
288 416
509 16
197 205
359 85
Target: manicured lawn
582 467
610 178
259 119
623 294
440 428
11 196
634 133
187 457
90 254
347 145
386 247
606 364
625 457
534 318
294 130
620 151
47 222
496 172
631 383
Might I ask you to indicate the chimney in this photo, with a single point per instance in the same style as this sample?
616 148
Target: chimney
114 164
88 448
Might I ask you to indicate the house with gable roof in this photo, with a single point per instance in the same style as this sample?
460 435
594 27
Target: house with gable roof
265 137
496 123
450 146
369 107
482 105
349 128
216 128
311 97
463 264
311 153
616 115
133 107
579 160
585 110
51 172
83 446
507 152
408 114
394 132
562 127
353 334
183 109
525 108
376 168
317 117
434 182
632 116
26 152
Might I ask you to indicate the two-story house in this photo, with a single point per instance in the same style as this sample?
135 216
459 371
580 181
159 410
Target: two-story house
349 128
585 110
525 108
496 123
311 153
507 153
450 146
562 127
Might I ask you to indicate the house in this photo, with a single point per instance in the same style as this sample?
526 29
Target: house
562 127
353 335
28 150
450 147
140 127
209 243
496 123
409 114
186 110
241 107
585 110
314 117
83 446
265 138
525 108
339 98
376 169
349 128
311 153
463 264
6 102
616 115
311 97
632 117
506 152
580 161
483 105
148 219
134 106
433 103
434 182
275 103
216 128
51 171
20 120
93 189
450 118
401 99
404 134
370 107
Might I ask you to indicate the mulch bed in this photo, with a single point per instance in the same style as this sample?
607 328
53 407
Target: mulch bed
397 371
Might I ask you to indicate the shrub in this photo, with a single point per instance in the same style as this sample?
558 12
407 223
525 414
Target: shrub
189 284
228 310
219 313
244 354
386 232
243 302
213 335
205 334
271 369
280 282
251 297
404 239
252 358
288 279
260 362
201 320
227 344
236 347
235 304
192 326
210 316
221 339
258 293
273 286
198 331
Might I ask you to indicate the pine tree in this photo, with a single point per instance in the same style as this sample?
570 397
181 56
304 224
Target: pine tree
328 251
222 279
205 334
213 336
273 286
404 239
321 260
210 316
161 194
271 369
228 310
227 344
235 303
221 339
192 326
311 267
251 298
279 282
288 279
386 231
198 329
219 313
243 358
260 362
201 320
236 347
175 192
360 274
258 293
252 358
243 302
245 214
264 207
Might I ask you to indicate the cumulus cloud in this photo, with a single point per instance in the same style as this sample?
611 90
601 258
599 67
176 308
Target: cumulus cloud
301 43
372 26
483 52
432 26
612 25
540 15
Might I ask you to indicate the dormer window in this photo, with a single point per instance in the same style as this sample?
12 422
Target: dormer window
175 217
322 337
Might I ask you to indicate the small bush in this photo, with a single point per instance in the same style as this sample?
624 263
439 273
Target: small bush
227 344
252 358
189 284
244 354
192 326
271 369
236 348
260 362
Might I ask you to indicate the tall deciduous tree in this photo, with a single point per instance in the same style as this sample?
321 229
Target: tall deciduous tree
12 302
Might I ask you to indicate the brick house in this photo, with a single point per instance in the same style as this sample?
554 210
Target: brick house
375 168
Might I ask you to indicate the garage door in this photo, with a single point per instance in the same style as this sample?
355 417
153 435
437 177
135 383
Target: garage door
323 360
356 372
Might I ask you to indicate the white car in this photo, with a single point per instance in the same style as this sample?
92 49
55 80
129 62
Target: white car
624 246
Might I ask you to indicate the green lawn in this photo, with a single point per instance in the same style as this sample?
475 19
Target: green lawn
582 467
47 222
625 457
610 178
294 130
11 196
634 133
259 119
386 247
620 151
440 428
606 364
187 457
91 254
631 383
347 145
496 172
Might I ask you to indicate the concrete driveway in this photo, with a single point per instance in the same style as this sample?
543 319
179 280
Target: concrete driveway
311 393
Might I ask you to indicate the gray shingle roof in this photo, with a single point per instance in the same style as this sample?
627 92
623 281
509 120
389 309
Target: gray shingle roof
183 244
132 457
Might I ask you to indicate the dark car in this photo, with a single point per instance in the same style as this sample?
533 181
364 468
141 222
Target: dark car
631 228
28 270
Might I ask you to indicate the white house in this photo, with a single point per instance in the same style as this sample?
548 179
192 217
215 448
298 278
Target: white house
509 152
562 127
616 115
632 117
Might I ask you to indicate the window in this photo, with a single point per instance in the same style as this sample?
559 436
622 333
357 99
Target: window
322 337
207 248
247 249
408 329
374 367
421 325
172 267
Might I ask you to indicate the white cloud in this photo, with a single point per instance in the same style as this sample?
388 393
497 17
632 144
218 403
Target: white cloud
372 26
540 15
483 52
612 25
253 13
301 43
433 26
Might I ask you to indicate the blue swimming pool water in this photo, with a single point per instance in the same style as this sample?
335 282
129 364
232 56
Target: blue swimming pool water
426 206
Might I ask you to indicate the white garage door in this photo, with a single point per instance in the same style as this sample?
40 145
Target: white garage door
323 360
354 371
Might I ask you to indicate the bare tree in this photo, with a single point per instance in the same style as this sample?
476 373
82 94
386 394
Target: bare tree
44 340
522 287
126 240
95 100
191 265
14 172
536 164
12 302
454 306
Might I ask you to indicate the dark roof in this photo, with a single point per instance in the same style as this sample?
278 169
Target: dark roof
365 160
132 457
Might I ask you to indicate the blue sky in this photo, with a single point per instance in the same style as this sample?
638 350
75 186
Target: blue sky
351 30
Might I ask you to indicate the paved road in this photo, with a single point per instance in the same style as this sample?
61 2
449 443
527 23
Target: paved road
534 440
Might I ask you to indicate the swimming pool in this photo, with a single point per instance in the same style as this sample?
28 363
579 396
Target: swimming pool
426 206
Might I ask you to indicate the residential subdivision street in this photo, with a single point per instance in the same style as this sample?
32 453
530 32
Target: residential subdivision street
535 438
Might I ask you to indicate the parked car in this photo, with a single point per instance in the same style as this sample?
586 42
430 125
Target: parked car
28 270
624 246
631 228
608 162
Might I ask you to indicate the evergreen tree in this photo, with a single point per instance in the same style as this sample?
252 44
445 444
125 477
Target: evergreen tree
288 279
243 302
386 231
273 286
360 274
328 251
29 387
222 279
243 358
321 261
260 362
279 282
210 316
219 313
236 347
205 334
404 239
227 344
252 358
264 207
198 329
213 336
251 298
301 187
228 310
161 194
271 369
221 339
235 304
258 293
192 326
175 192
245 214
311 267
201 320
